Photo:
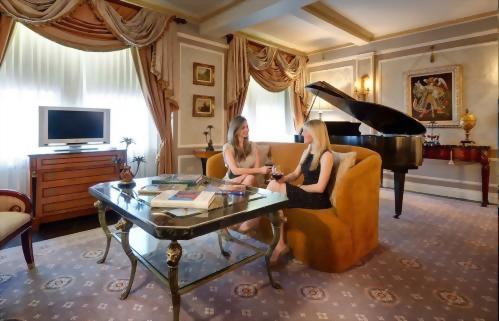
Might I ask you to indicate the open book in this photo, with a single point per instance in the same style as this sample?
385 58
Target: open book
183 199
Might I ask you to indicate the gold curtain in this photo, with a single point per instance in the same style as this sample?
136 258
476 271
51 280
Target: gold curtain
98 25
273 69
238 77
38 11
160 104
6 29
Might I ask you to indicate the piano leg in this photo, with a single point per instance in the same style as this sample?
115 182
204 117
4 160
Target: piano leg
398 188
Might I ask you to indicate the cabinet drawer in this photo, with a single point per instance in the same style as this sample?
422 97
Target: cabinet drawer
64 197
56 191
80 180
77 161
77 173
68 205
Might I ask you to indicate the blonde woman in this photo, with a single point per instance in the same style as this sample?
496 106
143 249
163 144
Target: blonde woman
315 165
241 156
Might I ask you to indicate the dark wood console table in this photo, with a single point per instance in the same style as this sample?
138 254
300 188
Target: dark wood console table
474 154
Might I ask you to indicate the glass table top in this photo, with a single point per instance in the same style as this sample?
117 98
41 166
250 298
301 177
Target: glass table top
225 210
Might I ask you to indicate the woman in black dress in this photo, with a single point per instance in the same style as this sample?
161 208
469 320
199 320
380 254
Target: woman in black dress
315 165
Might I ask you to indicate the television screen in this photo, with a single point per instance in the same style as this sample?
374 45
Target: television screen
73 125
65 124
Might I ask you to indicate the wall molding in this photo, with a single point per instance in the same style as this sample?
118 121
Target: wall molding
202 40
440 41
179 113
403 48
353 67
181 158
381 61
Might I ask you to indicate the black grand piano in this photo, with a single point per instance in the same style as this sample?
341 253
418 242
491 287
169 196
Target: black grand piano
400 142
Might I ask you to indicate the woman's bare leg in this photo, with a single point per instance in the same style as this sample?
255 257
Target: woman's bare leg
249 180
239 179
281 247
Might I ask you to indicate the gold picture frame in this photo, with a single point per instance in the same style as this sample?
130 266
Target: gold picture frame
203 106
434 95
203 74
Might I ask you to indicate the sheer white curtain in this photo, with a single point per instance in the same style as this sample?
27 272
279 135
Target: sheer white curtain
269 114
38 72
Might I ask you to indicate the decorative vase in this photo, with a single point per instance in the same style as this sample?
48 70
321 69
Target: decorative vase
126 175
210 146
467 122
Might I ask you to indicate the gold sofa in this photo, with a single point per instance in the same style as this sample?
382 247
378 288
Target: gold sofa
334 239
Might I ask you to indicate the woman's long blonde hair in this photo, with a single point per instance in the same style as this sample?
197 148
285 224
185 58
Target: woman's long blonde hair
320 142
235 127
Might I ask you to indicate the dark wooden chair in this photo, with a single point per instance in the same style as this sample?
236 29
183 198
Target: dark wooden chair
16 218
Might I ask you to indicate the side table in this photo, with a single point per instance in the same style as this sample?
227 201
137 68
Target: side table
203 155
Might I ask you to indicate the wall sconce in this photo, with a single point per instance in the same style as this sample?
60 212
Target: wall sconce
361 88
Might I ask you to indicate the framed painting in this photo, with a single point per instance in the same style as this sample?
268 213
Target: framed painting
434 95
203 106
203 74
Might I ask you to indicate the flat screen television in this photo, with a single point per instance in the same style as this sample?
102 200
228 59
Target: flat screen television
73 126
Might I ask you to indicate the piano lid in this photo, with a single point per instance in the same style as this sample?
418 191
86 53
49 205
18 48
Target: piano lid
384 119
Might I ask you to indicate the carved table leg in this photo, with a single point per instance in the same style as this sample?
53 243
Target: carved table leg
275 219
125 227
101 208
174 254
221 235
484 160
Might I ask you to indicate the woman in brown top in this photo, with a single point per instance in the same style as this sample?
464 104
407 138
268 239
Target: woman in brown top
241 156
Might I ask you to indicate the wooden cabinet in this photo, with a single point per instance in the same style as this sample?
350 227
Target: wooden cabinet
60 182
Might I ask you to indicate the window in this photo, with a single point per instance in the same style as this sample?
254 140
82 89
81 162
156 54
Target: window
269 114
38 72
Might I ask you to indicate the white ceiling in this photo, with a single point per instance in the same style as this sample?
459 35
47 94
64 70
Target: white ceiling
293 32
286 23
197 9
383 17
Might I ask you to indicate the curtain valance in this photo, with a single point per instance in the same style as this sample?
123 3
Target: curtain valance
273 69
99 25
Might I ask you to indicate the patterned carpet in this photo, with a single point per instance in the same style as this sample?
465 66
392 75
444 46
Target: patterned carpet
438 263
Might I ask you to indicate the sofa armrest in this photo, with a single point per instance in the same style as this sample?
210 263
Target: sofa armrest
357 198
215 166
12 201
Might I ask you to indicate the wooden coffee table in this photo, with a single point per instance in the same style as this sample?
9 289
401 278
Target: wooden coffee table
156 233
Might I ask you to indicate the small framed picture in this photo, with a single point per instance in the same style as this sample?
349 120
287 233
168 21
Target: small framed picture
203 106
203 74
435 95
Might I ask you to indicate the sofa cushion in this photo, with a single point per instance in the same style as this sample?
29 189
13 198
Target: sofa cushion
11 221
342 162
